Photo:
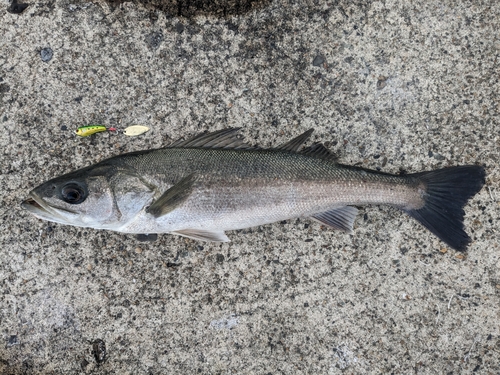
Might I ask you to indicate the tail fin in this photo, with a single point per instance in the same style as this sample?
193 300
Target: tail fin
447 192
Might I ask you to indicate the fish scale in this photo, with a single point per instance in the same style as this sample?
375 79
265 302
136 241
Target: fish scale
268 169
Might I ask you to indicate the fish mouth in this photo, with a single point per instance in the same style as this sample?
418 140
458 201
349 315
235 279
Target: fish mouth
31 202
38 207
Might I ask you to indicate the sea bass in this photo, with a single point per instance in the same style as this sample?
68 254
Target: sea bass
215 182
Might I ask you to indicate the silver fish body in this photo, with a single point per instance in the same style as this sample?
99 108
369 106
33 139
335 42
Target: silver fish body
214 182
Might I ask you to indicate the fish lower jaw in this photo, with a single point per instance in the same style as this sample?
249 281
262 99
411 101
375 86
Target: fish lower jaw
30 202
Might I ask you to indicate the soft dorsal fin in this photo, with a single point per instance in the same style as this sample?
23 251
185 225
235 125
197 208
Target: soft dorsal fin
173 197
339 218
226 138
295 144
318 150
203 235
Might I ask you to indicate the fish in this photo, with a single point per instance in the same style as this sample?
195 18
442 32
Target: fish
215 182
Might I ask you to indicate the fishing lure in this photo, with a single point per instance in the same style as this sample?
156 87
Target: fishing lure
134 130
85 131
131 131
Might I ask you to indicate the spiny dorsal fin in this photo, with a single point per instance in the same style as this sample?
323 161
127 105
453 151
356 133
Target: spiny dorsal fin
203 235
340 218
318 150
226 138
295 144
173 197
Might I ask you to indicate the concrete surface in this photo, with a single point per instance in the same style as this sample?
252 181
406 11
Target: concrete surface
410 85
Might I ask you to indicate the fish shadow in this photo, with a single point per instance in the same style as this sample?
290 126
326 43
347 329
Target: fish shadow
193 8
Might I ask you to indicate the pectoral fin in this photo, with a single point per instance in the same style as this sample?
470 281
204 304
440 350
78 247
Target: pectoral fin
203 235
340 218
173 197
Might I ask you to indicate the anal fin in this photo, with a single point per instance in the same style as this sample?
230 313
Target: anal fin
339 218
203 235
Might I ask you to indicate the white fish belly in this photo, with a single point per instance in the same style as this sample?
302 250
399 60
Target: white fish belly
236 207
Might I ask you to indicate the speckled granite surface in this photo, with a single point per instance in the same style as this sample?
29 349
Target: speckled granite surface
410 86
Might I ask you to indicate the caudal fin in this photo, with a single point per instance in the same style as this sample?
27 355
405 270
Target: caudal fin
447 192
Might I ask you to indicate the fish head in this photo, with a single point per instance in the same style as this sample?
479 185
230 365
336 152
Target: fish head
100 196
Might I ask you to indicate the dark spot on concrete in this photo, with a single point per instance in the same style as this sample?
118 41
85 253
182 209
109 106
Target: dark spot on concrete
219 258
84 364
27 366
382 81
309 240
99 351
64 127
151 237
193 8
318 60
439 157
233 27
154 39
46 54
13 340
153 16
17 8
4 88
179 27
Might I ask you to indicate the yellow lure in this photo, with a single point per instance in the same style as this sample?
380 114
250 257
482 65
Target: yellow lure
85 131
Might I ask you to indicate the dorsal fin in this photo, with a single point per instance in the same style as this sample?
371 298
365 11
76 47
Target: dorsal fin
318 150
295 144
226 138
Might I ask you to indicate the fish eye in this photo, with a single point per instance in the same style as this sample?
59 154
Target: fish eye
73 193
